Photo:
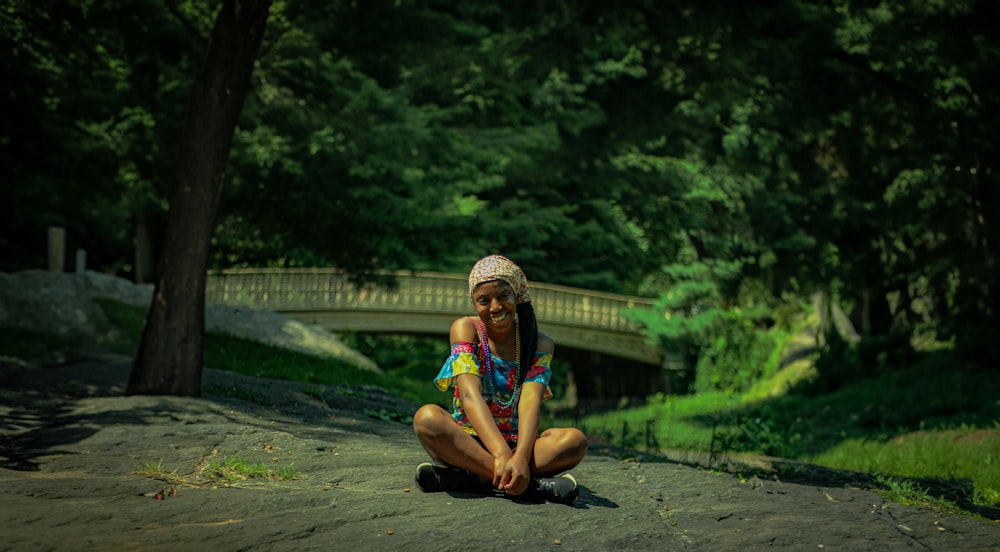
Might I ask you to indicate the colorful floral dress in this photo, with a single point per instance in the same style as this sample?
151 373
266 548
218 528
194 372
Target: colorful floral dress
465 359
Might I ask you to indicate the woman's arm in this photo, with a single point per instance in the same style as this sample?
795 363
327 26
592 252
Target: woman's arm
529 407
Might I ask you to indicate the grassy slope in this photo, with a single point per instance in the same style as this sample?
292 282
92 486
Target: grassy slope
934 426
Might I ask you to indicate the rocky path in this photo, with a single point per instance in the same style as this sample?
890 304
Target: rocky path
76 460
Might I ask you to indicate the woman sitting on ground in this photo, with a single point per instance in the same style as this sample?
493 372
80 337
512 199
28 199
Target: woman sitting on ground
500 369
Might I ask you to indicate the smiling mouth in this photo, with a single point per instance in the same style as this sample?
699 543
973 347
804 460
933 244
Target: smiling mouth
499 318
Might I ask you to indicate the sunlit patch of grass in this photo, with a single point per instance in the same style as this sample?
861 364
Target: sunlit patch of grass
236 468
155 469
964 454
783 381
232 470
908 493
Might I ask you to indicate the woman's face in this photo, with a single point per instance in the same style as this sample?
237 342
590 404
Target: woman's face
495 304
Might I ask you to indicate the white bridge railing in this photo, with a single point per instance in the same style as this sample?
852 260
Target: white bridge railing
590 320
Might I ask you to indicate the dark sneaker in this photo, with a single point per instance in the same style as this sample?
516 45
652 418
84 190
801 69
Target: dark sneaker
435 479
561 490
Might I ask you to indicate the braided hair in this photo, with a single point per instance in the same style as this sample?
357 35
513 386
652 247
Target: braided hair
527 326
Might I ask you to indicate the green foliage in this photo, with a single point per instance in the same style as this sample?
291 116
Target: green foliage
411 362
728 345
741 356
98 89
934 393
559 383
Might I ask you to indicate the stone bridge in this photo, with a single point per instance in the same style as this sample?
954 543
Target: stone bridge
427 303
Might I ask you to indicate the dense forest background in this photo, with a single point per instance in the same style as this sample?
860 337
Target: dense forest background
739 161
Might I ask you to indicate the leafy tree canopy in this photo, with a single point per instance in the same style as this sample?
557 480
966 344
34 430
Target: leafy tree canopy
759 152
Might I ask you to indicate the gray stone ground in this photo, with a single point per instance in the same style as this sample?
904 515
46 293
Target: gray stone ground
71 447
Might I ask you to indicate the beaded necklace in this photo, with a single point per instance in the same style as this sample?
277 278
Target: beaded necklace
505 406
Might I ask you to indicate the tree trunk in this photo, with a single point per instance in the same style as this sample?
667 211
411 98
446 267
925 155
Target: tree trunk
171 353
144 253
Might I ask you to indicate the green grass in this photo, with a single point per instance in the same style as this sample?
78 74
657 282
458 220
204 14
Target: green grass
236 468
965 457
910 493
244 356
156 470
229 471
664 422
934 425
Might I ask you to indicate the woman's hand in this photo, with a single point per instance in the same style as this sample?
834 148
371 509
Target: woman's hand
500 462
512 475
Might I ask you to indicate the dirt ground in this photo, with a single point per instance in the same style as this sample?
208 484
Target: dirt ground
78 463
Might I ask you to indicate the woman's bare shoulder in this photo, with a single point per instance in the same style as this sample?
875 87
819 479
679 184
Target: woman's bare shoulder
545 343
464 329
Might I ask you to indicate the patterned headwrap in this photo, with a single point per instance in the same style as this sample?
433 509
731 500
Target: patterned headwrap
496 267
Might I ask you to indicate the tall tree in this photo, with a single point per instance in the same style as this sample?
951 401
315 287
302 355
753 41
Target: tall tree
91 93
170 356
